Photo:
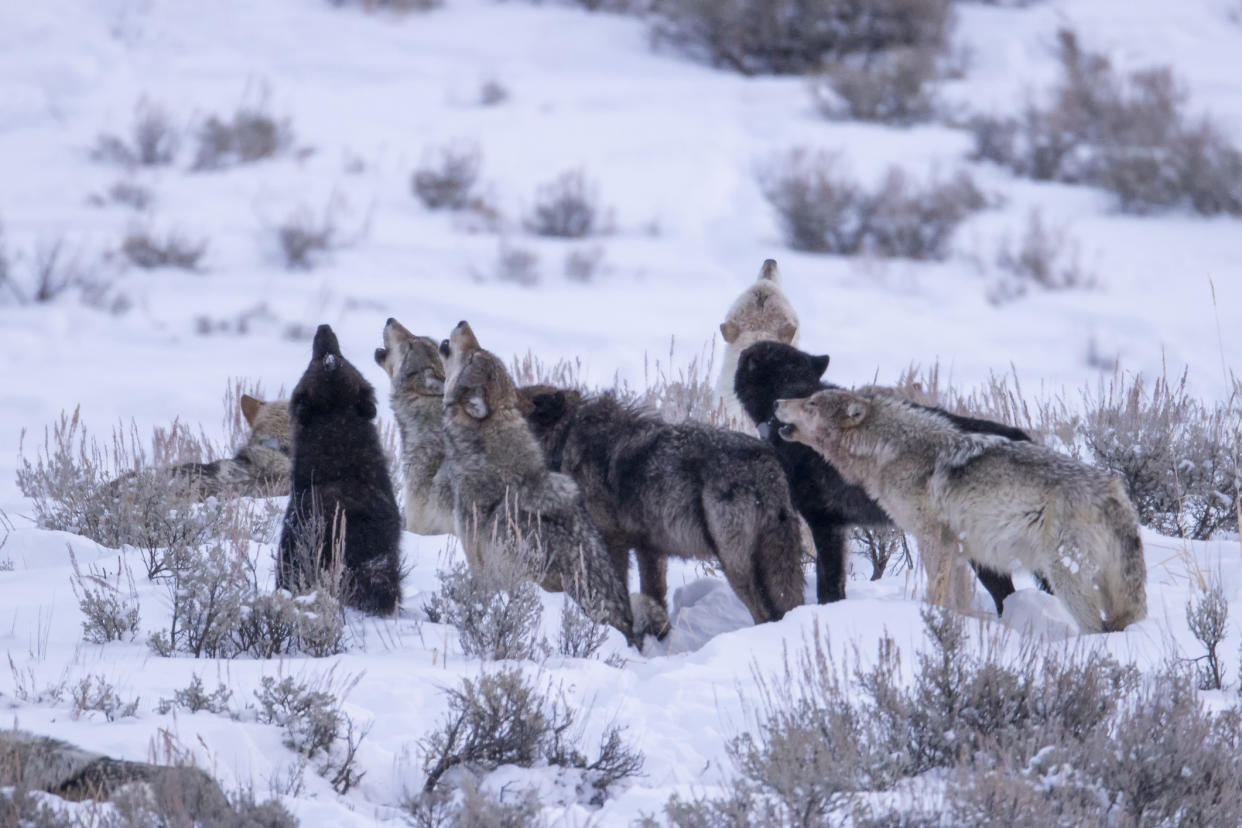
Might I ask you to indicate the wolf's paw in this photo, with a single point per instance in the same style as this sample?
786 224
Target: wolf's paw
650 617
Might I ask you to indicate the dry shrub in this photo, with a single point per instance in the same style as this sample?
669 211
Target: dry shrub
531 370
306 238
1177 455
1076 734
316 727
51 271
447 177
893 88
502 718
251 134
566 207
496 610
143 249
1207 615
1046 259
109 603
796 36
583 264
125 193
153 140
195 698
680 393
391 5
1130 134
517 265
821 211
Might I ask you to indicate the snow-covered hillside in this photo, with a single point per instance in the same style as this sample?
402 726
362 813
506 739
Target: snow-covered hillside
671 146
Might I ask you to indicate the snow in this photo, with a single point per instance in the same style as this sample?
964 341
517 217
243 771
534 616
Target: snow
671 145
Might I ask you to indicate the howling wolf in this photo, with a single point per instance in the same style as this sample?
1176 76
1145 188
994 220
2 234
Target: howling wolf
342 495
413 364
685 491
768 371
761 313
507 502
997 501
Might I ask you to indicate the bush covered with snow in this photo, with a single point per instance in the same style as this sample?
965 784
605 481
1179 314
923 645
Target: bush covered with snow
1130 134
796 36
823 211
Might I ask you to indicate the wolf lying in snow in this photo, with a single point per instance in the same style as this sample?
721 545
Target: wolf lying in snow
993 500
768 371
685 491
507 502
413 364
260 468
761 313
342 501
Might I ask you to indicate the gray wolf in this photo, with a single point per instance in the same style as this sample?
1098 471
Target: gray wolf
992 500
761 313
769 371
687 491
413 364
260 468
507 502
341 509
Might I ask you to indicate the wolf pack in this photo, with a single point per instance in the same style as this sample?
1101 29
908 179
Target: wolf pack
569 483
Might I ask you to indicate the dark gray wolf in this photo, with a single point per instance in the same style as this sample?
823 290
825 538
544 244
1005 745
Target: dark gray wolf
686 491
761 313
769 371
996 501
413 364
341 509
508 504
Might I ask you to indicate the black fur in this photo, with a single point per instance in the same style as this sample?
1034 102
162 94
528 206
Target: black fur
687 491
769 371
339 468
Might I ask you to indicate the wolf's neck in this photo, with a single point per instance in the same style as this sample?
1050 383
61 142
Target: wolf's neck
420 419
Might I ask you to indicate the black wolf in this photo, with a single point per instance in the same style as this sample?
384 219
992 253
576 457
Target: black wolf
342 495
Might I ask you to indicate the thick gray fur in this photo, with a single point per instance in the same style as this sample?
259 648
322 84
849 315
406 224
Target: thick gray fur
686 491
507 501
413 364
996 501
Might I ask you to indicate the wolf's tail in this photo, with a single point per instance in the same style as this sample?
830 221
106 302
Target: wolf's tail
1125 581
755 534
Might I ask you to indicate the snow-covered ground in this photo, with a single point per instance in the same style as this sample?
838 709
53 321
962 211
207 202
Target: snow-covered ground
672 146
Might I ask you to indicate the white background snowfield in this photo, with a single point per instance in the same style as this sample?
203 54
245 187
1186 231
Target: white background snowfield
672 146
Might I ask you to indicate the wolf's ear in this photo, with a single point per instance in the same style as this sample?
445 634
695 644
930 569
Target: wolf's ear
787 333
475 405
250 408
548 408
855 412
730 331
431 383
820 364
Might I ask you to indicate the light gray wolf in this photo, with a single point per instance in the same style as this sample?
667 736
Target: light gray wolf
507 502
996 501
768 371
341 508
685 491
413 364
761 313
